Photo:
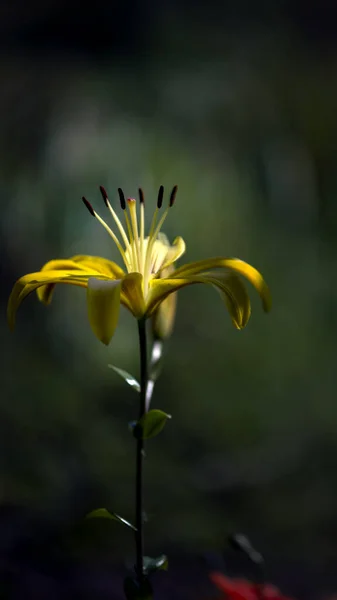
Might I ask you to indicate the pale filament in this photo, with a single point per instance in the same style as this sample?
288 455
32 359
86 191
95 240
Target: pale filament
115 239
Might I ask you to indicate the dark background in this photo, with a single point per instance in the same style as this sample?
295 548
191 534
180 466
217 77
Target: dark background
236 103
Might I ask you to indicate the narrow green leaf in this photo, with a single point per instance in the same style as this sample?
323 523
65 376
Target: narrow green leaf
127 377
103 513
155 564
152 423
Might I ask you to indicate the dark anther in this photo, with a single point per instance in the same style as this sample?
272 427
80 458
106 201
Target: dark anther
173 195
141 195
104 194
122 198
88 205
160 196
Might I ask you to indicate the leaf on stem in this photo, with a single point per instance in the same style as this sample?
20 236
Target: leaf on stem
151 423
103 513
150 565
130 379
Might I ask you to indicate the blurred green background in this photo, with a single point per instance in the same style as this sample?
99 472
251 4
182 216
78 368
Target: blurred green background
238 107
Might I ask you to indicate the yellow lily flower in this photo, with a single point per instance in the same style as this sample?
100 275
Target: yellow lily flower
140 286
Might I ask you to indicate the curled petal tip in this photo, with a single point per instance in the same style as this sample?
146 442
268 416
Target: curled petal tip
266 297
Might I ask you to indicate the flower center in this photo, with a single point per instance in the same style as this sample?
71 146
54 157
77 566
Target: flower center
144 255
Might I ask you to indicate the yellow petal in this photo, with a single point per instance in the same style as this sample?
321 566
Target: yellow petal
99 264
230 264
174 252
160 289
132 292
234 294
27 284
103 298
230 287
61 264
45 292
94 265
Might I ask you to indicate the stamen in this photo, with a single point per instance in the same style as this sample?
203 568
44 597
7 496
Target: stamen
133 258
171 202
133 214
147 256
122 198
160 196
107 228
173 196
115 217
160 224
153 236
141 210
89 207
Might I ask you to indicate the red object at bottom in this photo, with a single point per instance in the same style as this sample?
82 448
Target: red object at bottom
241 589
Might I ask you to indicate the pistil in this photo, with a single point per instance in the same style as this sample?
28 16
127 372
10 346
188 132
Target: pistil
131 202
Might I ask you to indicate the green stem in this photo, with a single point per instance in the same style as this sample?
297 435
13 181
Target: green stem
140 451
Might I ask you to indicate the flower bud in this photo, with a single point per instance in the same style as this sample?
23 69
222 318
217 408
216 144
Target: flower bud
164 316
